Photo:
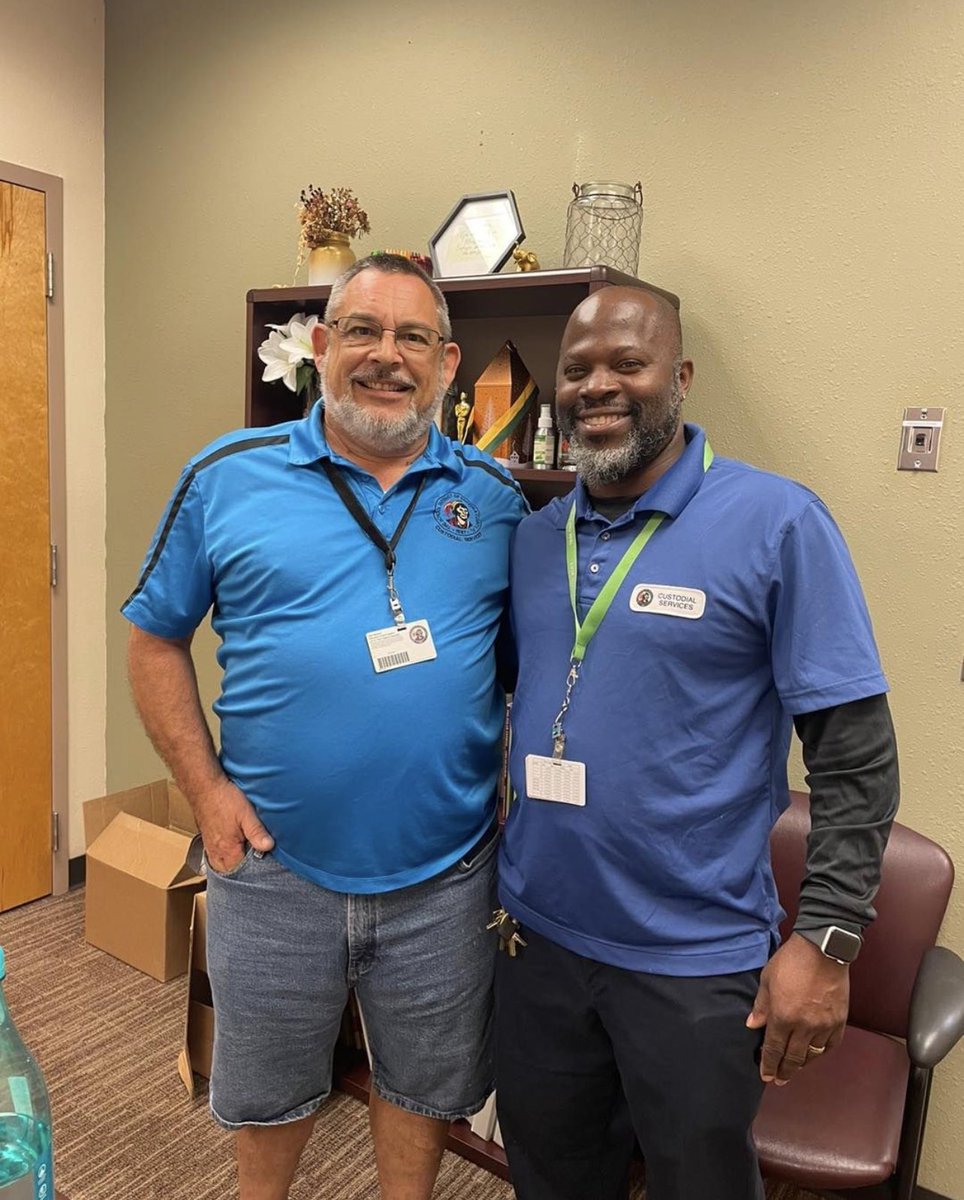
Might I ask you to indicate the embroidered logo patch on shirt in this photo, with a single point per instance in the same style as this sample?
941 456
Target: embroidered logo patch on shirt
668 600
458 518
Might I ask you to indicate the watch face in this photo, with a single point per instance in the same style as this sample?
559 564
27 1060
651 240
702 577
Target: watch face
841 944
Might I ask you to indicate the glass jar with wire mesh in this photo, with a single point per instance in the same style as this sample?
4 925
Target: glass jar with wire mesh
603 226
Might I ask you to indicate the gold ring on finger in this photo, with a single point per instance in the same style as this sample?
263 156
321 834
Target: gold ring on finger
816 1049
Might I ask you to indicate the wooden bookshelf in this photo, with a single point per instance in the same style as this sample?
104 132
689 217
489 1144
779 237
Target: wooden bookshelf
541 485
530 308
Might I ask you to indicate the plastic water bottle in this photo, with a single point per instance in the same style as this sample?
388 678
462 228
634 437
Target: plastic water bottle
544 444
26 1159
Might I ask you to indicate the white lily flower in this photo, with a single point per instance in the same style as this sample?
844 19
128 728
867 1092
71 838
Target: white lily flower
278 364
269 348
297 345
286 348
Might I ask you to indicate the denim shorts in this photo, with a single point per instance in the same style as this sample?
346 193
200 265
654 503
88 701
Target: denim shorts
283 954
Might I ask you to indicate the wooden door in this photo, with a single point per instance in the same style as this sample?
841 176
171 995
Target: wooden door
25 592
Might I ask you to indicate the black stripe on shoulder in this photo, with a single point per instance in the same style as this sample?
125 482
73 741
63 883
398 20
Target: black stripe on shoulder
490 470
158 549
277 439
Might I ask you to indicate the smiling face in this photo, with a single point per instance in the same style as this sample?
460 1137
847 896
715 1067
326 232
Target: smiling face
383 398
620 384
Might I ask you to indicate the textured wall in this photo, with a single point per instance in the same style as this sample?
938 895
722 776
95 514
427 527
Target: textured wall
802 166
52 120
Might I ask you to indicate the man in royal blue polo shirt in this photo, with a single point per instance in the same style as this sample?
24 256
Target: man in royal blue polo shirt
674 617
355 564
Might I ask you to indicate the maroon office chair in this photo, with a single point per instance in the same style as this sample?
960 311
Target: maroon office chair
852 1123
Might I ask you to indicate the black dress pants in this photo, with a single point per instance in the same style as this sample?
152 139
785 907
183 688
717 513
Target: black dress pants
587 1055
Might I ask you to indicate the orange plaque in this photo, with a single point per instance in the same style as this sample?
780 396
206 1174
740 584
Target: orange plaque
505 410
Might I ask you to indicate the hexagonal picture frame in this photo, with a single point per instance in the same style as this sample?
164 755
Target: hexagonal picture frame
477 237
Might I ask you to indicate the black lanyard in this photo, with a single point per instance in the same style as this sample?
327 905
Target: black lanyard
371 530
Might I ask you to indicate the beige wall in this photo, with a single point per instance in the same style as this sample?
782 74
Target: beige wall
802 165
52 120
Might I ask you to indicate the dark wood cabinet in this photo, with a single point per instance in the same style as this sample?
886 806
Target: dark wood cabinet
531 308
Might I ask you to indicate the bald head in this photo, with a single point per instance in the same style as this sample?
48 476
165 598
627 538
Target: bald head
620 385
647 313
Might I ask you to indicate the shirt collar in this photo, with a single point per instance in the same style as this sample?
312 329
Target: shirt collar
670 493
308 445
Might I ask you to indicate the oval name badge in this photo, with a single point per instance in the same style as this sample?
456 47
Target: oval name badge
668 600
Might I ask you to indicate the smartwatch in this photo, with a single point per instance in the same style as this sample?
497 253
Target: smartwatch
839 944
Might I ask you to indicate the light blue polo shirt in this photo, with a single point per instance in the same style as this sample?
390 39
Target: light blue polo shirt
742 610
368 782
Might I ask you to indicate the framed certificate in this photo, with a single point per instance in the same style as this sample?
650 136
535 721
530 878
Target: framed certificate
478 236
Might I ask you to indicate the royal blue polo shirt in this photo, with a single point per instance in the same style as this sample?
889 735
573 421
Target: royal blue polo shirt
367 782
742 610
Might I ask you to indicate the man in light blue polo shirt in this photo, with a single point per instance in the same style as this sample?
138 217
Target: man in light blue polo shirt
675 618
355 564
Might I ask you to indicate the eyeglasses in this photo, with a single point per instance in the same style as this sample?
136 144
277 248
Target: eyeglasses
362 332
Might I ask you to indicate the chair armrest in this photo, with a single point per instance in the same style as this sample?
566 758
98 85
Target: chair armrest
936 1007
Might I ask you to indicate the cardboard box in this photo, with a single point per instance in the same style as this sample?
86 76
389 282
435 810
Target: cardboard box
195 1056
143 871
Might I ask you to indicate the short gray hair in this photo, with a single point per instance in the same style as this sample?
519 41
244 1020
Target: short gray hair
390 264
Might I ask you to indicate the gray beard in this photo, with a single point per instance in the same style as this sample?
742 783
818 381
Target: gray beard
392 433
605 465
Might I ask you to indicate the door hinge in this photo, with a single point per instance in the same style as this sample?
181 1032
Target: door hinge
53 565
55 831
50 276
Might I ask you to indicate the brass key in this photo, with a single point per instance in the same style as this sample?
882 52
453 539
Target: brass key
507 928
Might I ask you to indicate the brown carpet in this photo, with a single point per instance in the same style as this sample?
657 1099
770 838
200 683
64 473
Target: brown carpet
107 1038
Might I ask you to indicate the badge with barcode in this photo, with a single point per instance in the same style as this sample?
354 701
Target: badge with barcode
560 779
400 646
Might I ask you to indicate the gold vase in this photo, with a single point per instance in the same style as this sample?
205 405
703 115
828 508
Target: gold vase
327 261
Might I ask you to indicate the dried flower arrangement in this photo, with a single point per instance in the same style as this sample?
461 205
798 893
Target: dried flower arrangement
324 213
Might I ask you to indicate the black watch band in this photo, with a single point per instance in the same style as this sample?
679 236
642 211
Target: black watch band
839 944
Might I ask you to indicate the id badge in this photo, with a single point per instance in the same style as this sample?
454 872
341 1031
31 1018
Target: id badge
558 779
400 646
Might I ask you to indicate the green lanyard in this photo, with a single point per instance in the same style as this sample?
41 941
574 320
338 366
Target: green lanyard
586 630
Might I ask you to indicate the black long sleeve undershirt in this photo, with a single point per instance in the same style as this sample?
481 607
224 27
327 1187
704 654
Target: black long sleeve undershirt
850 753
